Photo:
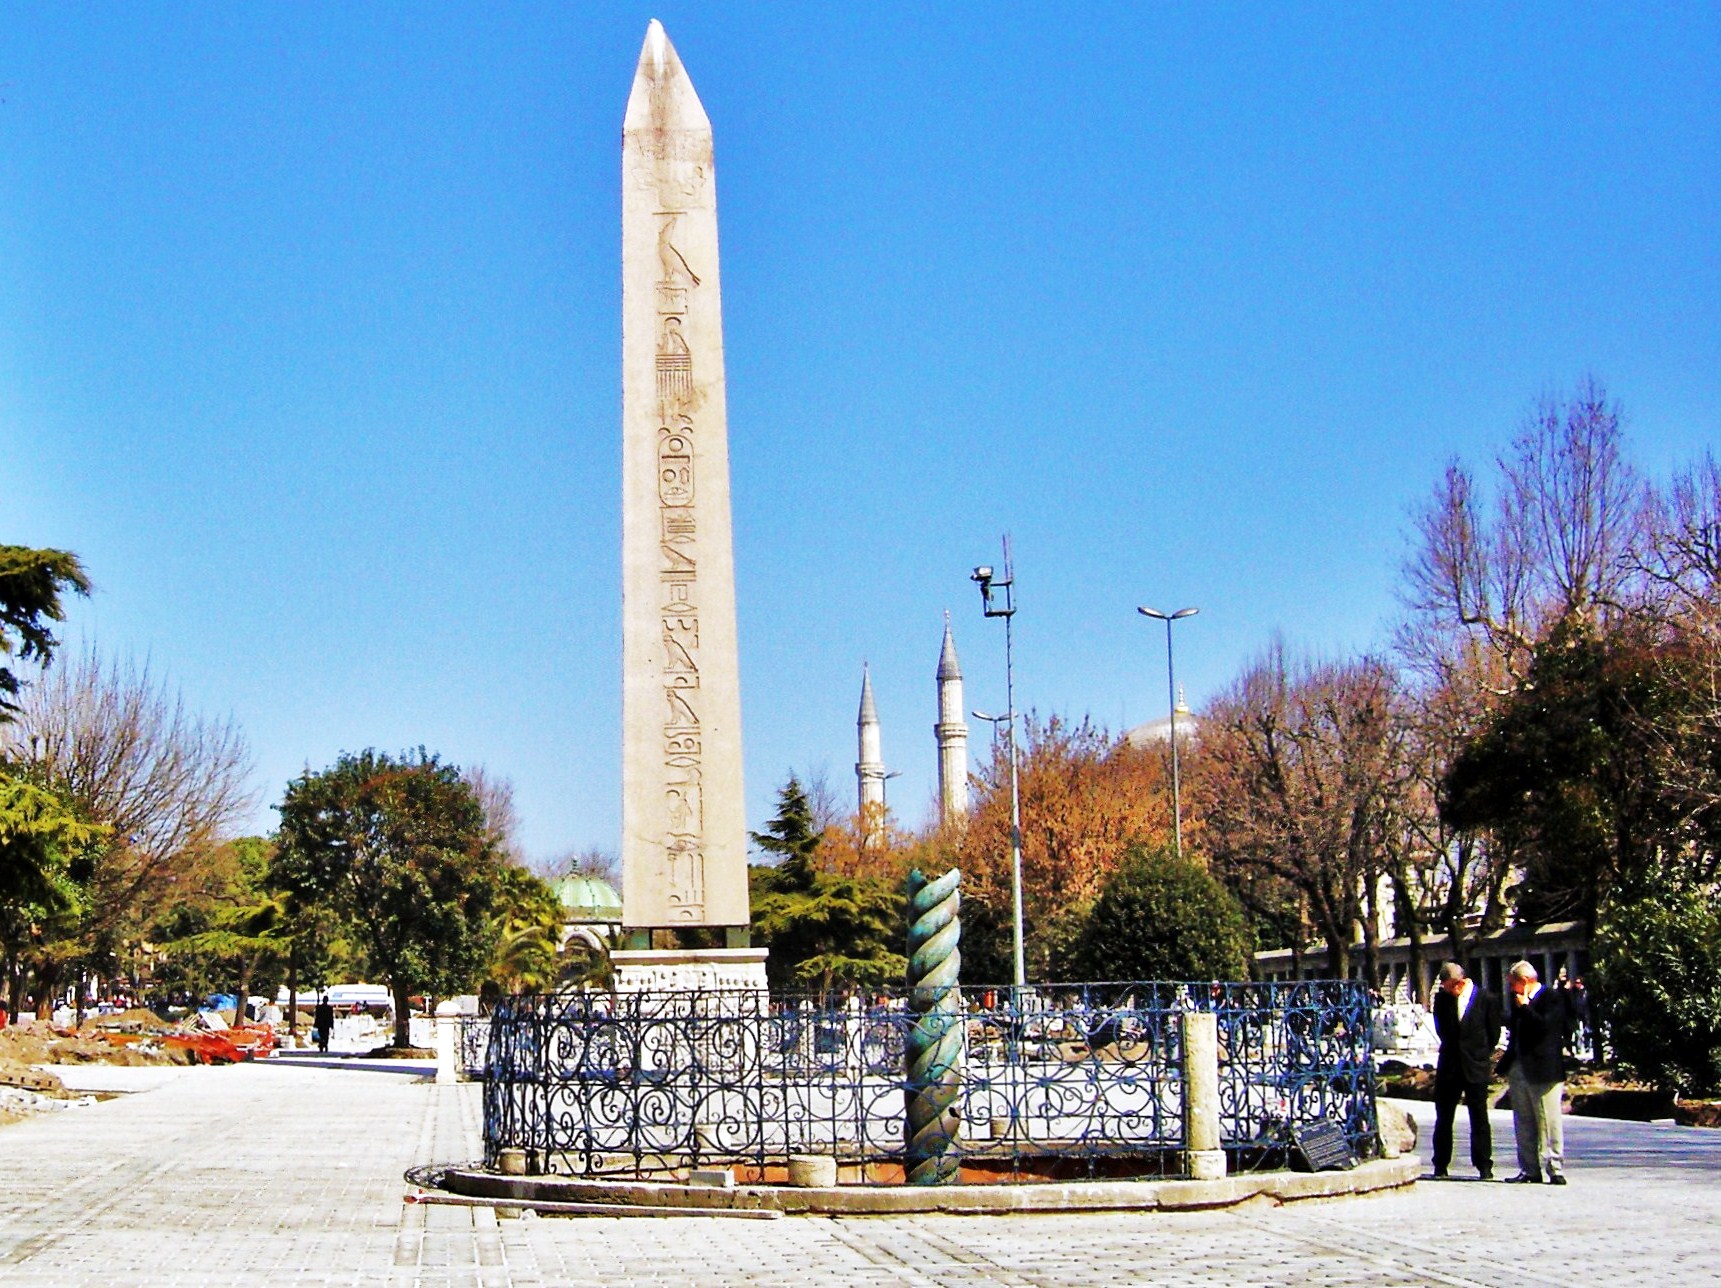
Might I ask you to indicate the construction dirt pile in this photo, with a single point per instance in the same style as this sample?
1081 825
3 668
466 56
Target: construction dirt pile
138 1019
28 1088
27 1045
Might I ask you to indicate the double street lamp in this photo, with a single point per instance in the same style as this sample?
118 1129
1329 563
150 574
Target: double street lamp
998 599
1171 685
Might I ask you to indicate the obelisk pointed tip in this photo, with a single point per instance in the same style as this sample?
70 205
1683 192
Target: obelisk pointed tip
656 47
663 96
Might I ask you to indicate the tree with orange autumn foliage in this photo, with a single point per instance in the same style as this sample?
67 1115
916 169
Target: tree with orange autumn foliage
1086 799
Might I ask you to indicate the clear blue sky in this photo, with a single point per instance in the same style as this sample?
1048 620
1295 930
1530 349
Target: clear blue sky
309 341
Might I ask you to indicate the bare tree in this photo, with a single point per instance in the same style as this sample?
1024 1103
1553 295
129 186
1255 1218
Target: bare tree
1572 507
1558 535
1442 874
1681 558
1561 539
171 784
501 820
592 861
1296 776
1682 568
829 813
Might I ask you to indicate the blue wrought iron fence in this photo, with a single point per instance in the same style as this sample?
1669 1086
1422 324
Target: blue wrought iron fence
473 1037
1059 1081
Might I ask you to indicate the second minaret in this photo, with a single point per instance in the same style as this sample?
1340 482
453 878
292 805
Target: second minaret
952 734
869 767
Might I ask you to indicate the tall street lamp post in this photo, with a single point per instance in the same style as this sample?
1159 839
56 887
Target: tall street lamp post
1005 606
878 825
1171 686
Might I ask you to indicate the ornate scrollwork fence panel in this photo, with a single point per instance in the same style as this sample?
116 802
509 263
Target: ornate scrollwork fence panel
1294 1053
1066 1080
472 1037
1080 1074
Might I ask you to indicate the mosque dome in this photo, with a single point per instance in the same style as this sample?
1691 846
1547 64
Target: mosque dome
590 900
1157 731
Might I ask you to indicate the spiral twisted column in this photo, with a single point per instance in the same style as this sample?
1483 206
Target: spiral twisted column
935 1041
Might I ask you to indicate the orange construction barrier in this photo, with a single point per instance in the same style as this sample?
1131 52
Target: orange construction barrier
227 1046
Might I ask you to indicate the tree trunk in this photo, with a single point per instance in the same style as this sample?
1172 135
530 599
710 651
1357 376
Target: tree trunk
242 992
293 994
1405 910
1371 932
47 984
1418 969
1495 906
402 1016
1337 914
14 990
1458 941
1338 956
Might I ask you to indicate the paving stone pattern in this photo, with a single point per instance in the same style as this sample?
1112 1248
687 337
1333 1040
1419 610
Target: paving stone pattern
289 1174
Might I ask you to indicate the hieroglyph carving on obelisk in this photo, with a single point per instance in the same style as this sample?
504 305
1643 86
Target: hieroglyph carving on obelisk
684 838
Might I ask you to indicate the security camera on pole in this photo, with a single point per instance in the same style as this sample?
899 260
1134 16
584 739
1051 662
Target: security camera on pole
1005 607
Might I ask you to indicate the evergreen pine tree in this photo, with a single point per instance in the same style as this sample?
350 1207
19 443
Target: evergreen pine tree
822 929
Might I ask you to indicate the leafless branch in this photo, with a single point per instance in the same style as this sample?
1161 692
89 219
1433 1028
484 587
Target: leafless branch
171 784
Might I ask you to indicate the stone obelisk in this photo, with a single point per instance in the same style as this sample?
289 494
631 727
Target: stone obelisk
684 837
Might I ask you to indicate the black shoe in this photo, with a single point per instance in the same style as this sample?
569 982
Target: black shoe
1440 1174
1487 1174
1524 1178
1556 1178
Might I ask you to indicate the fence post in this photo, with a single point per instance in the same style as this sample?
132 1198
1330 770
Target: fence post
447 1043
1204 1159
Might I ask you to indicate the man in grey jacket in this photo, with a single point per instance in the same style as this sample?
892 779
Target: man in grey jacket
1535 1070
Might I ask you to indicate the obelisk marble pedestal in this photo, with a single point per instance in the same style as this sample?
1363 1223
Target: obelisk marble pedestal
704 970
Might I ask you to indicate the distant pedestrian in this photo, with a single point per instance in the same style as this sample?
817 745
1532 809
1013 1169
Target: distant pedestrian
1535 1069
324 1021
1579 1042
1467 1018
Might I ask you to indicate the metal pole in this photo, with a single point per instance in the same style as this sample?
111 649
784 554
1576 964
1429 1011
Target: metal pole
1176 777
1015 802
988 581
1171 694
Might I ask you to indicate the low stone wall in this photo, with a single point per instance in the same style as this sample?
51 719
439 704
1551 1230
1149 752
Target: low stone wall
1697 1113
974 1200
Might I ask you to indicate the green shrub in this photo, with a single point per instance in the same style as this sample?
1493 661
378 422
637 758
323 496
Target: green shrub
1162 917
1658 972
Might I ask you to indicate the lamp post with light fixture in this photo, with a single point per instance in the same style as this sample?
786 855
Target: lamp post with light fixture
1171 686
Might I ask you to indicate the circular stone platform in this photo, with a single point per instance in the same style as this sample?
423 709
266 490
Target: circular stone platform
979 1200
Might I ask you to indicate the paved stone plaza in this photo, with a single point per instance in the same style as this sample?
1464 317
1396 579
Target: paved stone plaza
289 1173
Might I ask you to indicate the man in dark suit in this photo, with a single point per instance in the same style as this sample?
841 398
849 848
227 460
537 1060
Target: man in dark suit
1468 1021
1535 1069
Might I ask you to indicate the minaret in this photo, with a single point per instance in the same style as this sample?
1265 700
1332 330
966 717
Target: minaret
869 769
952 733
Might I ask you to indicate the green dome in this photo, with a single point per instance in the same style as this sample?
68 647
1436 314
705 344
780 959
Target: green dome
588 899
